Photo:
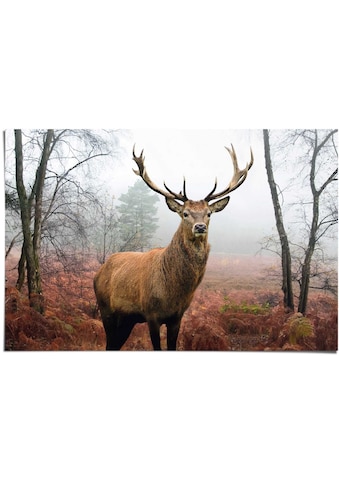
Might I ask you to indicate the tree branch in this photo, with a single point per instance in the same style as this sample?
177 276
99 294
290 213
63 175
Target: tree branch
330 179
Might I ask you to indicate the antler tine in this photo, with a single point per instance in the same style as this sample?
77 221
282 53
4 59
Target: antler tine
139 161
145 177
181 195
184 189
239 176
212 191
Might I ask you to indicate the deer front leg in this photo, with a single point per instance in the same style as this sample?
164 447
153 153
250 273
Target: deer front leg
154 330
118 329
173 327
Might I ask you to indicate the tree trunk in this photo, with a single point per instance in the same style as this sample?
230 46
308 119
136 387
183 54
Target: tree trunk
285 249
31 245
306 267
34 296
305 281
40 181
21 269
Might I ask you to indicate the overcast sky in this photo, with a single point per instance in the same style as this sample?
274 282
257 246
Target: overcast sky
200 156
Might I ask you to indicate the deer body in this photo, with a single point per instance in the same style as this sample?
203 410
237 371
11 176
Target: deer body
157 287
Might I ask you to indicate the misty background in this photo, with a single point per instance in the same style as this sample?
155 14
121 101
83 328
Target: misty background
200 156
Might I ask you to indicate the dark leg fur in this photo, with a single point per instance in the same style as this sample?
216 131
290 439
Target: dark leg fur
154 330
118 329
173 327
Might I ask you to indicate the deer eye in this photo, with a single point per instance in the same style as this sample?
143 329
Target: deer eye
209 214
185 214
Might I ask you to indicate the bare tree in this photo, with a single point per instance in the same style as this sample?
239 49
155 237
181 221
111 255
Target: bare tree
318 227
105 238
315 170
31 245
287 286
49 158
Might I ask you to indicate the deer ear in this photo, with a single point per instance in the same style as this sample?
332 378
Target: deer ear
174 205
219 205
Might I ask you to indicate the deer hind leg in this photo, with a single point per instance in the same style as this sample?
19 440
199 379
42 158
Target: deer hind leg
118 328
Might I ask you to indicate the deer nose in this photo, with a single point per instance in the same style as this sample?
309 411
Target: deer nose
200 228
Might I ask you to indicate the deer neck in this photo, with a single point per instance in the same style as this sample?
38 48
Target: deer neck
187 256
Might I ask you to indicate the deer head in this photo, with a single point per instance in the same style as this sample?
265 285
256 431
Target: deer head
195 215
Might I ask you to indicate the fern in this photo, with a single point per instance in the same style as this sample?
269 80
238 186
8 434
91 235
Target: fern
254 309
297 328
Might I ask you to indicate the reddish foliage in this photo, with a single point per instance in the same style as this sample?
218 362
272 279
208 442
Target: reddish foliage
70 321
26 329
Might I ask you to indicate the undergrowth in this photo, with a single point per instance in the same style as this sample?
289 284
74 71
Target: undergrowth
244 320
255 308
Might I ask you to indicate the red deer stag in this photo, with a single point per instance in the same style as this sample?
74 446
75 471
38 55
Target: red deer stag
157 287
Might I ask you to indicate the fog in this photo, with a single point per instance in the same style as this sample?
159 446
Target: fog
200 156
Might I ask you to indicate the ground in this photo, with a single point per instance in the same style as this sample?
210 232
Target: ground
238 306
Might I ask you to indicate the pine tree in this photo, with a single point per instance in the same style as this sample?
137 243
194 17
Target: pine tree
137 222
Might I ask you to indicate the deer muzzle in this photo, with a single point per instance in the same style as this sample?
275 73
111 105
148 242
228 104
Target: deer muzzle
199 229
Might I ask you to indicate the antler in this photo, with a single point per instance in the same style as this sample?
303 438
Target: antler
145 177
239 176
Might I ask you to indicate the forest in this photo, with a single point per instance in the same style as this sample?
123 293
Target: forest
62 223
